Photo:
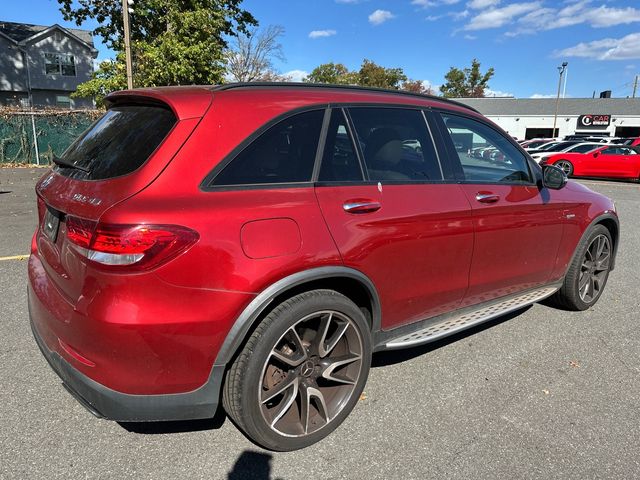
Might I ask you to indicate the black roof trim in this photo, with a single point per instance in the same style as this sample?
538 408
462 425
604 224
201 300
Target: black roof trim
242 85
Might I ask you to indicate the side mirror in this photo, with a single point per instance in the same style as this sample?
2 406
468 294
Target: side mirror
595 154
553 177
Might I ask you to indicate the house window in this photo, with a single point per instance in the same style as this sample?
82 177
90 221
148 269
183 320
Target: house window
63 101
59 64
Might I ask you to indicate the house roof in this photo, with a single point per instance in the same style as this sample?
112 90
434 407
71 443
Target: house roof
20 32
547 106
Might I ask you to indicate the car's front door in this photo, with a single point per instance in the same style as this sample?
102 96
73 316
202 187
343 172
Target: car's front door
616 162
518 226
393 214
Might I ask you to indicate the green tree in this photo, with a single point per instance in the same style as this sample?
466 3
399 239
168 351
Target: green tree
369 75
469 82
173 41
374 75
334 73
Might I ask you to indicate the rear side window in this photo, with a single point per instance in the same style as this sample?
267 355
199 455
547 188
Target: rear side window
119 142
285 153
396 144
485 155
339 162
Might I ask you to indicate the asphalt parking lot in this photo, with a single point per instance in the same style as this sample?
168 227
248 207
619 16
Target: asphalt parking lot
543 393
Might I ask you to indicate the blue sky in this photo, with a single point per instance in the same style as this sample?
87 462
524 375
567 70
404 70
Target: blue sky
523 40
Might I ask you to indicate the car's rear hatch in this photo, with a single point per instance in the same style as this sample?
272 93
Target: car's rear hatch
118 156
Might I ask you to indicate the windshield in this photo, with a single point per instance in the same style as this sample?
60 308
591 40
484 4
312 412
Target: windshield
118 143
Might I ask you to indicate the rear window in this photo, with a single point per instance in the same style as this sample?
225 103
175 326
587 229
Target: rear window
119 142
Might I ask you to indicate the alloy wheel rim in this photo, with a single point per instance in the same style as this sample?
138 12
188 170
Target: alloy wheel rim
564 166
594 269
310 374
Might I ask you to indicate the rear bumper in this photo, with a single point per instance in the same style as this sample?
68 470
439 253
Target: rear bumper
107 403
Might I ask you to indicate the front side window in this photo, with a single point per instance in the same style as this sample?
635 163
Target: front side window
285 153
396 144
485 155
59 64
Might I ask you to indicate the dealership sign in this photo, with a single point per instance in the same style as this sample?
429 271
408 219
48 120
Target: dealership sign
594 121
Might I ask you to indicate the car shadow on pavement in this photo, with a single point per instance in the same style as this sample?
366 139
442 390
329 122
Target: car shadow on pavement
392 357
158 428
252 465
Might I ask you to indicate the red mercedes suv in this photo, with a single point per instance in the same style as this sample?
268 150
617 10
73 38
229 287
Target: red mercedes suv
254 244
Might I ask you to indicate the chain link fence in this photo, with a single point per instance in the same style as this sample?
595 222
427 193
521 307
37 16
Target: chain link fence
54 130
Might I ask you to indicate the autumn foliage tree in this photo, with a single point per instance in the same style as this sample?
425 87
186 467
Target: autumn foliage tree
469 82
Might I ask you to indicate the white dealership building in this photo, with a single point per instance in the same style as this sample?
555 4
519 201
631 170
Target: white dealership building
533 117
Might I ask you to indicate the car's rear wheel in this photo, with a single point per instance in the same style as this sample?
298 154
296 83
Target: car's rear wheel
301 372
588 273
566 166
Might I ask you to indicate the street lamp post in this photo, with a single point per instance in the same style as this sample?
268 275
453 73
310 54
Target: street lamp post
127 40
561 70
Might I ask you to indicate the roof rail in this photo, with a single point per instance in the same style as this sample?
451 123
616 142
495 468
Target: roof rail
233 86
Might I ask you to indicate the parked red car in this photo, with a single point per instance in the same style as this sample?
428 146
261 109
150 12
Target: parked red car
253 245
609 161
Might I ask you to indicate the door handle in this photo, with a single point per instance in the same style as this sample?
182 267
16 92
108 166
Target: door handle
361 206
487 197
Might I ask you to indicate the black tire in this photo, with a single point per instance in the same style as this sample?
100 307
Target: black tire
287 332
570 294
566 166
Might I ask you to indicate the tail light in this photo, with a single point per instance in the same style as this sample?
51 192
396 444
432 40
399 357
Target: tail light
128 248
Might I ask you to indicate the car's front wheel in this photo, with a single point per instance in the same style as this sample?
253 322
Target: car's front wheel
566 166
301 372
588 272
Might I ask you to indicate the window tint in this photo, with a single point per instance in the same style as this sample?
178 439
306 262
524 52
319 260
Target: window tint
611 151
283 154
583 148
119 142
396 144
486 156
339 162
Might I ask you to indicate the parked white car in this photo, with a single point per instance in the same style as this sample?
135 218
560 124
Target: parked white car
577 148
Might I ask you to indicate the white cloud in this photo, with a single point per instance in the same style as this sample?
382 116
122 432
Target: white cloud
543 95
433 3
574 14
470 37
498 17
433 18
624 48
296 75
481 4
322 33
347 1
380 16
496 93
459 15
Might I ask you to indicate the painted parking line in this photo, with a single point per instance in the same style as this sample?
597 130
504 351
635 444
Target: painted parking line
14 257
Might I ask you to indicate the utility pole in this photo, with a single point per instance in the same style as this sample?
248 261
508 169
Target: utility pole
127 41
635 87
561 70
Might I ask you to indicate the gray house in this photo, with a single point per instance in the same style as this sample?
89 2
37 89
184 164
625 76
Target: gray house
44 64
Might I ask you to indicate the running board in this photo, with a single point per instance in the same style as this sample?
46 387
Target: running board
474 316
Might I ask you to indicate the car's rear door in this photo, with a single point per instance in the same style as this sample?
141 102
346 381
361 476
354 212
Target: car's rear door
394 212
518 226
